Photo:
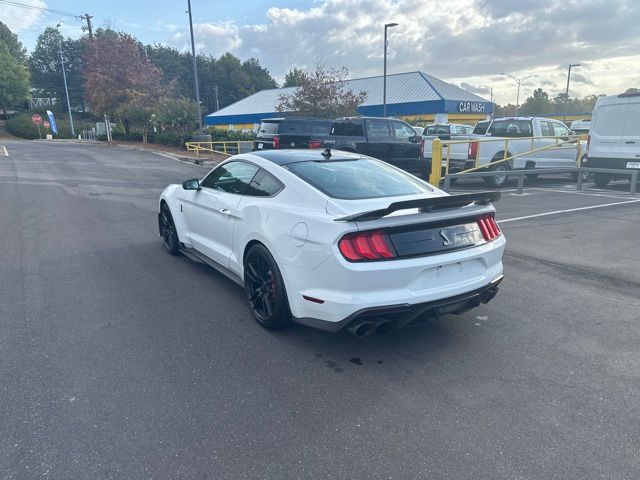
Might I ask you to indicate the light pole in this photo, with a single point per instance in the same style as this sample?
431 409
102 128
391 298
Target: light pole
518 81
195 67
566 100
384 76
64 77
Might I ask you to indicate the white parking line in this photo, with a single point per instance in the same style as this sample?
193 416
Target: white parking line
556 212
4 151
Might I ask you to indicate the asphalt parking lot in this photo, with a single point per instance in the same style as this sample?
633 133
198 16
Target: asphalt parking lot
119 361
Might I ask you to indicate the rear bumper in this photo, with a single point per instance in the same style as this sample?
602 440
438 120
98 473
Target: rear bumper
613 163
405 314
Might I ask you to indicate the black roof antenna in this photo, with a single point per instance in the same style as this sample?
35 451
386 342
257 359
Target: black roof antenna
326 153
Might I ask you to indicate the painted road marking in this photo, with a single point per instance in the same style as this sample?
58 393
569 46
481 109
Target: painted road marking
569 210
4 151
587 193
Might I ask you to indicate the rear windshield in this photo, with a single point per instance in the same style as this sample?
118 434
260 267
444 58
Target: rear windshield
511 128
304 127
437 130
357 179
269 127
481 128
348 128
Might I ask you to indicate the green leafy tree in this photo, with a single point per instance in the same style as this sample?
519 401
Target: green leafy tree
10 40
537 104
258 75
46 70
293 78
14 80
177 114
322 93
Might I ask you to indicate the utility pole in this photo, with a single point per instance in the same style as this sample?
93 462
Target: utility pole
566 100
195 67
88 18
217 101
66 88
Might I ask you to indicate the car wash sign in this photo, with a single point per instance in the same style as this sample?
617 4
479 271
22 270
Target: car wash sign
471 107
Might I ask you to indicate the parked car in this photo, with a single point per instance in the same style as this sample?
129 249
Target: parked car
417 129
311 237
292 132
580 126
393 141
519 131
444 130
614 137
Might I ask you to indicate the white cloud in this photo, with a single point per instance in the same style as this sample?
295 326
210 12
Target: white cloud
468 41
19 19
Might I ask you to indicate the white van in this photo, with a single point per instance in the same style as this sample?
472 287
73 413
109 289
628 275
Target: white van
614 137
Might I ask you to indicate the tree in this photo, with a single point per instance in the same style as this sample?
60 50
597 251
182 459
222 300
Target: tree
117 74
177 114
322 93
14 80
537 104
12 43
258 75
46 71
293 78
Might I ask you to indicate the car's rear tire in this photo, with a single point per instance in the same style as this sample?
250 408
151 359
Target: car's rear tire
265 290
168 231
498 180
601 179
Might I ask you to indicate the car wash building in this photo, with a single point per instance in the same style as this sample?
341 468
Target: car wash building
415 97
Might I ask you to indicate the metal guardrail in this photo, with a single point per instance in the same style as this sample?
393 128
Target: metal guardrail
224 148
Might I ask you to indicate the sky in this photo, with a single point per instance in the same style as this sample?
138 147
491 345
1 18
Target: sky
469 43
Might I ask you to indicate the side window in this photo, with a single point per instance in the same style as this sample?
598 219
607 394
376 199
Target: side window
468 130
378 129
348 128
402 131
545 128
232 177
264 185
560 130
459 130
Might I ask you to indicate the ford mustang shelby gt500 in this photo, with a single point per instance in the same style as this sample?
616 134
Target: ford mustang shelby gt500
336 240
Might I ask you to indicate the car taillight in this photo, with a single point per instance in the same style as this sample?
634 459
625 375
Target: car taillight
315 143
276 142
422 148
473 150
363 246
488 227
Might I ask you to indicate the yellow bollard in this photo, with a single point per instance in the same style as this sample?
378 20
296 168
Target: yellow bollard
436 163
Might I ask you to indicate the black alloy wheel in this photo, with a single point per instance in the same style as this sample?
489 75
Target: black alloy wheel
168 231
265 289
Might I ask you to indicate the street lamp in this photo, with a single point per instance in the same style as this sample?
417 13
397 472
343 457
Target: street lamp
64 77
518 81
566 100
384 76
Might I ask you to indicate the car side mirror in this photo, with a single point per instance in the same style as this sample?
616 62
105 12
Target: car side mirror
415 139
191 184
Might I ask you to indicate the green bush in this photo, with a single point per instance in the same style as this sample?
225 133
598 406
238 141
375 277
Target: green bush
219 135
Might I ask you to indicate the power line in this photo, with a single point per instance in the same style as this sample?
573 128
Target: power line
41 9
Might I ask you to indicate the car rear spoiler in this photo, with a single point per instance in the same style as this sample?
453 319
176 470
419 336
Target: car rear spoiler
426 205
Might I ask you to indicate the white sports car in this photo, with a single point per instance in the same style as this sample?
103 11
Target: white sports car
336 240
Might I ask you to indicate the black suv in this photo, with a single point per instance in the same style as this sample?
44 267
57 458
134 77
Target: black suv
393 141
293 132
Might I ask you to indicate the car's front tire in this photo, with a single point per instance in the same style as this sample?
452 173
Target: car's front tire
601 179
265 290
168 231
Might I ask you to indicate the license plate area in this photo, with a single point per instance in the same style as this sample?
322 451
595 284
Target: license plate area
633 164
432 239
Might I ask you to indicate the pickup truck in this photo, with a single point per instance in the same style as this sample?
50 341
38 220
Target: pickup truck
387 139
519 131
458 152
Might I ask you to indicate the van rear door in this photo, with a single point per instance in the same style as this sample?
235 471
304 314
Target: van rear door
630 142
606 134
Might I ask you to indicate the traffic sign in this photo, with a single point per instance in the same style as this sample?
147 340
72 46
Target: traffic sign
37 119
46 124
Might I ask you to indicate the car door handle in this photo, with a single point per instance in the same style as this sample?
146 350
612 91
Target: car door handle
225 211
630 142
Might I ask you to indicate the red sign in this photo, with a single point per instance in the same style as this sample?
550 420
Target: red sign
35 118
45 124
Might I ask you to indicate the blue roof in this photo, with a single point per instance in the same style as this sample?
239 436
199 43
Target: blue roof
407 94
